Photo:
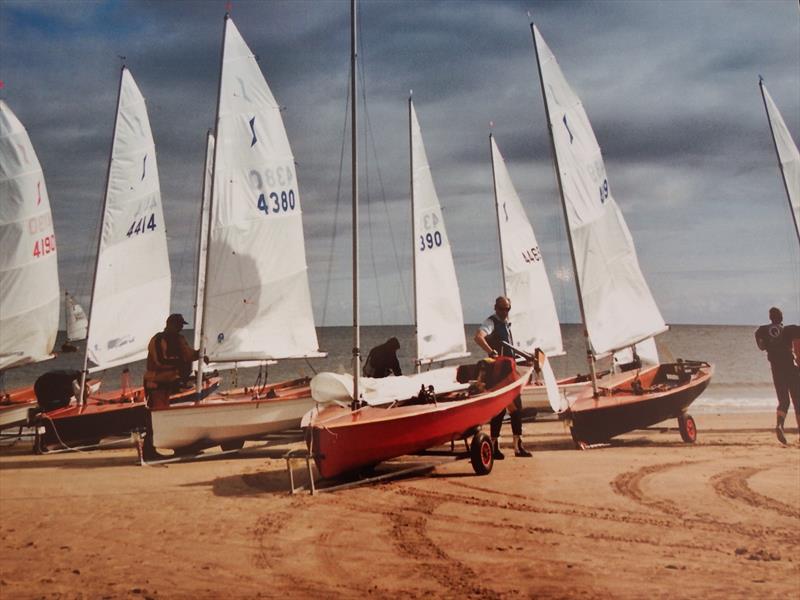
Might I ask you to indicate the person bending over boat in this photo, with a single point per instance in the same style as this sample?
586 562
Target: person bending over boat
382 360
777 340
490 336
169 367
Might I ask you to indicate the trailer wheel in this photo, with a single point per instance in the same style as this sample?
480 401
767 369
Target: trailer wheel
232 445
480 454
688 428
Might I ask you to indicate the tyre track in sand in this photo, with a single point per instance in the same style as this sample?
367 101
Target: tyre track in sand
629 485
733 485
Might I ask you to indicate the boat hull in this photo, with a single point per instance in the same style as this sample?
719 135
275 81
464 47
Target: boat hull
15 407
107 414
232 416
618 409
342 440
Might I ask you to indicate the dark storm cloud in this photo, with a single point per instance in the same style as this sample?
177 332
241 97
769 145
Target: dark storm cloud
670 88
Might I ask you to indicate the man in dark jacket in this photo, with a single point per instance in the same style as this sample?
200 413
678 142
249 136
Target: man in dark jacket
490 336
776 340
382 360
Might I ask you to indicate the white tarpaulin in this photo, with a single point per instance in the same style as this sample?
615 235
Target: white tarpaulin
29 294
533 312
130 301
619 307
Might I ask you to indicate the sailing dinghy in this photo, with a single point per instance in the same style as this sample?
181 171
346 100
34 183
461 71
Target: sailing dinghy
357 431
253 293
29 294
131 288
617 308
76 321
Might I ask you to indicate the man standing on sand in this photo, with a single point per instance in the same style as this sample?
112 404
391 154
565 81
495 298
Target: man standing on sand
169 366
490 336
777 340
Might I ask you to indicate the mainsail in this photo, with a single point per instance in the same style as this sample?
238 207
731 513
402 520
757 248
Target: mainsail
439 317
257 301
131 292
618 307
76 319
533 311
29 294
788 156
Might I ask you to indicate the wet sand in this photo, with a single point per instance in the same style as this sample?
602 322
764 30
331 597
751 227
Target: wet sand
646 517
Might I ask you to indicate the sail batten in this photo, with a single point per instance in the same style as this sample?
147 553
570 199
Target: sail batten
131 291
257 301
618 307
439 316
29 291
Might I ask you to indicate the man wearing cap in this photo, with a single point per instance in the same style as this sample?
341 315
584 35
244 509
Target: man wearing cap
169 367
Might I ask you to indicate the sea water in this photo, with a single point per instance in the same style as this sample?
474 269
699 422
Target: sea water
741 383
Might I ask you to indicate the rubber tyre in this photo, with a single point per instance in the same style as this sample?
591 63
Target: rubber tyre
232 445
480 454
688 428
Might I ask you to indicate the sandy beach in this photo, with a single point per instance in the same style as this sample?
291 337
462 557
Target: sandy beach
648 516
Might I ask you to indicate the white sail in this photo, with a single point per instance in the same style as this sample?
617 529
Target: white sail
788 156
131 294
76 319
29 294
439 317
619 308
257 298
533 311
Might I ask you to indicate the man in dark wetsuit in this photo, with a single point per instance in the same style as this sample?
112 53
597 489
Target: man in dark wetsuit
382 360
777 339
169 366
490 337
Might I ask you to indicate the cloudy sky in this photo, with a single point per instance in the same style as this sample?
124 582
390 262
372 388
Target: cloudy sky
671 89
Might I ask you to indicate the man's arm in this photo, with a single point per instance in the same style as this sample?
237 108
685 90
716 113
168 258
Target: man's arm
760 341
480 337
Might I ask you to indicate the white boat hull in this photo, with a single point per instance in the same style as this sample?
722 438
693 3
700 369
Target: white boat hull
534 395
215 422
15 415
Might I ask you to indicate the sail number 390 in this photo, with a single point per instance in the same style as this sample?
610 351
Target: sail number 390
277 203
430 240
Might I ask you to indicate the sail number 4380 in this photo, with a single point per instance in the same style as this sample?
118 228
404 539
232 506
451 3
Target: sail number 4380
276 203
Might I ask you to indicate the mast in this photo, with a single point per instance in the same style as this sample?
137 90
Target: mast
199 382
589 353
417 363
780 164
354 175
84 372
497 210
202 263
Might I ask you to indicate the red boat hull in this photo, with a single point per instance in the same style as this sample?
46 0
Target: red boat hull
342 440
106 414
619 409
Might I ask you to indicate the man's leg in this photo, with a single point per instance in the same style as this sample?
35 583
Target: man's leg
494 428
516 429
779 378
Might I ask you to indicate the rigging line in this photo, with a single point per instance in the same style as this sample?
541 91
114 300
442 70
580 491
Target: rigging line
336 210
368 202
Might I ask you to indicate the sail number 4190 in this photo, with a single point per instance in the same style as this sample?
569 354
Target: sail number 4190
44 246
